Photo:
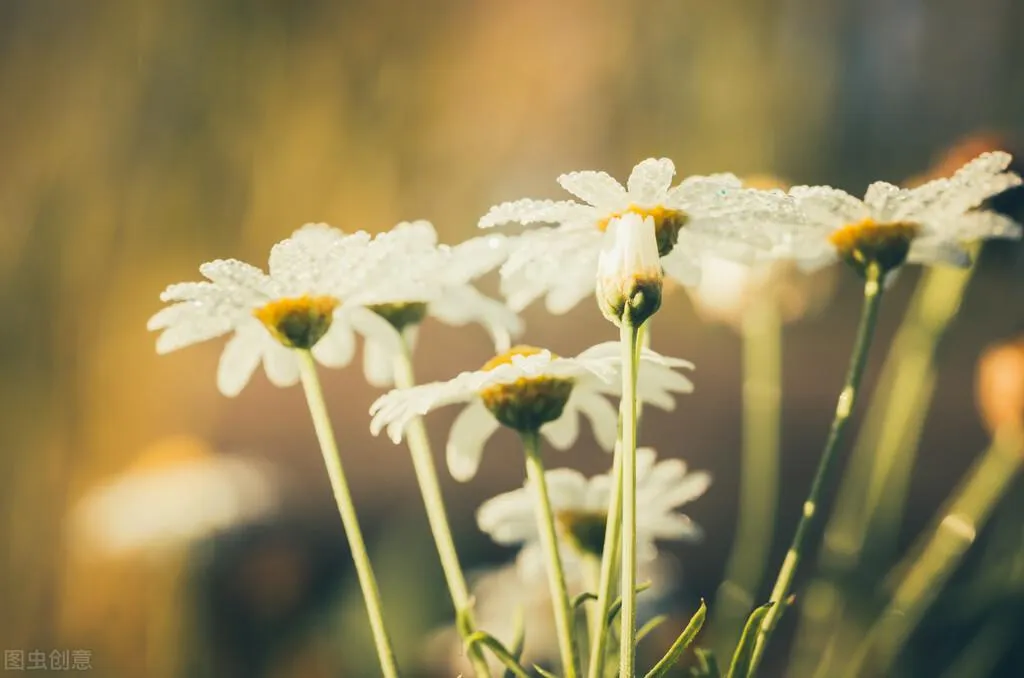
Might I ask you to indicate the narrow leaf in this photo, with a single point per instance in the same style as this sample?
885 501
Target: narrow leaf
707 664
616 605
518 639
650 626
584 597
546 674
499 651
740 663
682 642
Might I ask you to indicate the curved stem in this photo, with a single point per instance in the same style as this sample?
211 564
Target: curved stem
759 473
549 541
845 405
628 335
347 509
437 516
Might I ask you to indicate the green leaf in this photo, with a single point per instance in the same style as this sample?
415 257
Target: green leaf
616 605
546 674
740 664
682 642
584 597
499 651
650 626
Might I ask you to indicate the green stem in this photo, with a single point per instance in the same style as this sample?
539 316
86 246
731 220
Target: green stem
845 405
437 516
762 370
549 541
609 567
628 335
347 509
592 578
967 512
869 506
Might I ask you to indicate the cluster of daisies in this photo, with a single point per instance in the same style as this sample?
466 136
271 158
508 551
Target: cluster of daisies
324 286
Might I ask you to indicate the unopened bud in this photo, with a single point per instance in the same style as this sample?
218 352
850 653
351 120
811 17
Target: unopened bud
629 274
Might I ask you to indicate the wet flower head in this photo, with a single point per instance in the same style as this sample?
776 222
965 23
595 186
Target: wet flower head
298 322
529 389
527 403
934 223
700 214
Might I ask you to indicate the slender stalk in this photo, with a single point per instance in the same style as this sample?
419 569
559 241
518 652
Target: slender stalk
869 506
845 405
628 336
759 480
609 570
437 516
549 541
971 504
592 580
347 509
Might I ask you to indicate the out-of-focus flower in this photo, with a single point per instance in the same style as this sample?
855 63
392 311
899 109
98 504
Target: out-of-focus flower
930 224
581 509
1000 388
177 492
713 213
440 286
319 284
530 389
629 271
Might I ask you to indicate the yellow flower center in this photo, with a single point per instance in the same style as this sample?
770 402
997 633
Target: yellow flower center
667 224
298 322
584 529
868 242
529 402
401 314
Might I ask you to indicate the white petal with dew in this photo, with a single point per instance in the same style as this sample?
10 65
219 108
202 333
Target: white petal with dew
597 188
650 180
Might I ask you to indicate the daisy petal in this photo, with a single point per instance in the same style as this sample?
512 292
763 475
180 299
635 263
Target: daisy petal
649 181
281 365
470 432
529 211
597 188
240 358
602 415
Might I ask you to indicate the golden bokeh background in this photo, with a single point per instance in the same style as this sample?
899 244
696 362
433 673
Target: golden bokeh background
140 138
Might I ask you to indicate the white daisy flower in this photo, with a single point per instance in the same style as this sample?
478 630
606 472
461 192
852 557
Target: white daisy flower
319 284
530 389
712 213
929 224
441 287
581 510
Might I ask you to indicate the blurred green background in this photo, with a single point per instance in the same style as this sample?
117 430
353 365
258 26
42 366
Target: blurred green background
140 138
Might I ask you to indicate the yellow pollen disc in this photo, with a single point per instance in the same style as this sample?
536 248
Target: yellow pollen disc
870 242
298 322
529 402
667 224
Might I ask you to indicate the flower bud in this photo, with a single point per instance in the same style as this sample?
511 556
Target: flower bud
1000 386
629 274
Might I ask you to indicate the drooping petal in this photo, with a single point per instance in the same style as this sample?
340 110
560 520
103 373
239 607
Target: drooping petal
337 347
195 331
508 518
470 432
602 415
281 365
240 359
562 432
378 364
